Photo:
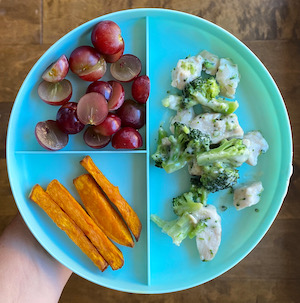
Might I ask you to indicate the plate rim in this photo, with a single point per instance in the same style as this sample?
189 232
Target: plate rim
10 152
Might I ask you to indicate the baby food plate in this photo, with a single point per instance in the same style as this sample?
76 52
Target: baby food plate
155 265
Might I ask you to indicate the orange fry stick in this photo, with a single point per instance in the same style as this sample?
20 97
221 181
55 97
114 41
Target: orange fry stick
64 222
73 209
113 193
101 211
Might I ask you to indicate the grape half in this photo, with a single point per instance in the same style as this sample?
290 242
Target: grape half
140 89
67 119
94 139
132 114
126 68
115 57
127 138
57 93
57 70
106 37
87 63
92 108
109 126
101 87
50 136
117 97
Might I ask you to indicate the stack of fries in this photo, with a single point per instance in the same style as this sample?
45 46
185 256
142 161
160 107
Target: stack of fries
92 231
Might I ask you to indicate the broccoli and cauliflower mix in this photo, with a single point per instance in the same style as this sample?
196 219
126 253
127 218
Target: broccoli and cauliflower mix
211 145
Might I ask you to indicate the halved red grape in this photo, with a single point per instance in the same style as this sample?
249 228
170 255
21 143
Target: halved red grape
101 87
126 68
94 139
106 37
127 138
117 97
115 57
67 119
132 114
109 126
140 89
87 63
57 93
92 108
57 70
50 136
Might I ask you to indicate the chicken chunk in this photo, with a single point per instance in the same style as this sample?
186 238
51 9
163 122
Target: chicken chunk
247 195
211 62
186 70
184 116
218 126
172 102
208 240
258 145
228 77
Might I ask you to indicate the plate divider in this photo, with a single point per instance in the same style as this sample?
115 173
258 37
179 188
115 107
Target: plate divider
61 152
148 153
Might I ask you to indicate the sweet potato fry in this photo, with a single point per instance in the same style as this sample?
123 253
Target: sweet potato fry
64 222
73 209
101 211
113 193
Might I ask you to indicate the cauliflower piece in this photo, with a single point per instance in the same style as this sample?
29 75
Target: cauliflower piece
247 195
184 116
186 70
211 62
257 145
218 126
228 77
208 240
172 102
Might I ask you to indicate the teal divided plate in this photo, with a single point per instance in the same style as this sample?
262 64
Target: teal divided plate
159 38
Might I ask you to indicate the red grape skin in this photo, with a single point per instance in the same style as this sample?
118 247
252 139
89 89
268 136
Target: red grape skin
132 114
94 139
57 71
67 119
140 89
106 37
117 97
92 108
49 135
101 87
127 138
115 57
127 68
87 63
109 126
57 93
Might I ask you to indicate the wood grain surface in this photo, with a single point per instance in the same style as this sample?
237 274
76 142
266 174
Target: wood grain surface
271 29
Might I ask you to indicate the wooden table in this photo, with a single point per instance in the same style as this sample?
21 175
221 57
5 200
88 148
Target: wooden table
271 29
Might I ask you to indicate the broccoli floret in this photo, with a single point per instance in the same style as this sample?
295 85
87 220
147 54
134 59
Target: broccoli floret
198 142
175 151
162 151
221 105
208 88
199 89
184 207
190 201
197 229
204 92
177 229
218 176
233 152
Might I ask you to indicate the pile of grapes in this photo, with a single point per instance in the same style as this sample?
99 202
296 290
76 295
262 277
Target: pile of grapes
110 118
